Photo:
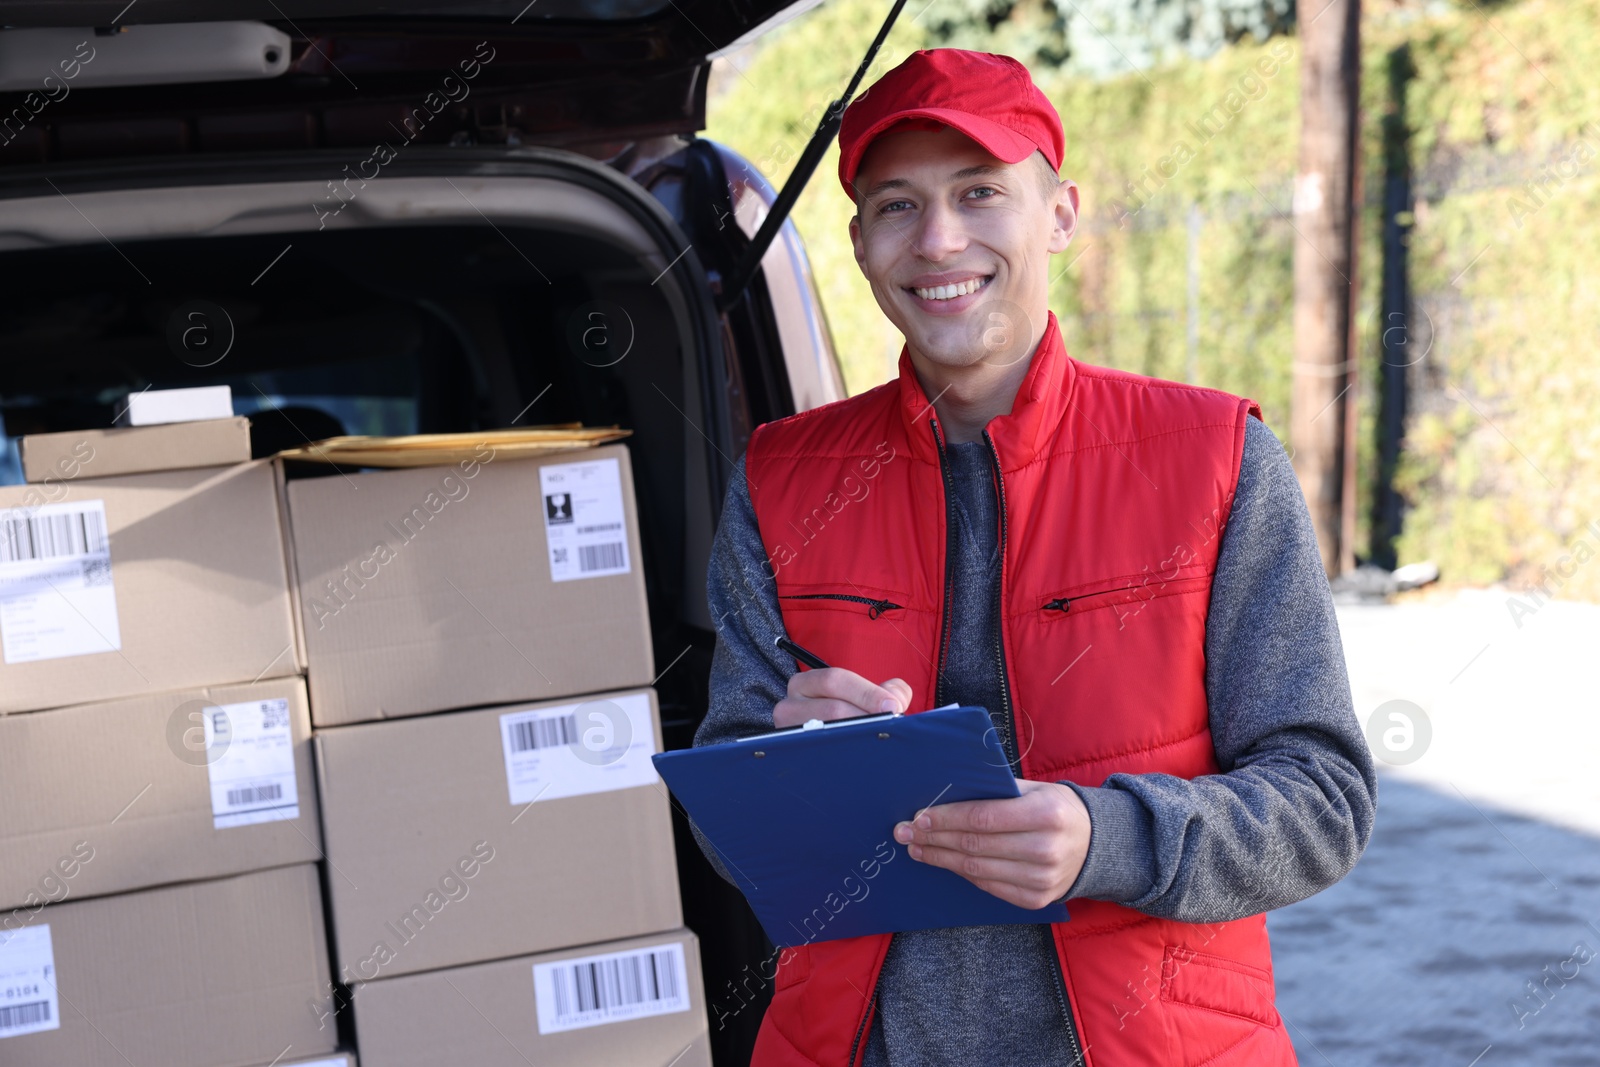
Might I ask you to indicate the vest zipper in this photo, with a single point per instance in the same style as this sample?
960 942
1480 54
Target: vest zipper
874 607
949 567
1009 737
862 1029
1008 721
1066 1012
1064 604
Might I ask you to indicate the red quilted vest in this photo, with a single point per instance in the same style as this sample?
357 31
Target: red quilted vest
1115 488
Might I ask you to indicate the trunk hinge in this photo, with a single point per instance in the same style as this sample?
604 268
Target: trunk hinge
739 278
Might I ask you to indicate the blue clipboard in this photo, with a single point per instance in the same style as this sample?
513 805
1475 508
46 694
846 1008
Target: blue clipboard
803 819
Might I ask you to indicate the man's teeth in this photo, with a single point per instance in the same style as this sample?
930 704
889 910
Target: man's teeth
950 292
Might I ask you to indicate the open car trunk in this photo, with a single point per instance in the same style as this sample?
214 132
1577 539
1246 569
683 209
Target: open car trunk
535 290
470 289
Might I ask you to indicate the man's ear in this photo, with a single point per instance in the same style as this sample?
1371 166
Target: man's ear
855 243
1065 211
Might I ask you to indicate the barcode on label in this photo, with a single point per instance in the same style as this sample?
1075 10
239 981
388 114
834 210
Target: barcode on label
600 557
254 794
73 533
24 1015
532 734
618 985
252 770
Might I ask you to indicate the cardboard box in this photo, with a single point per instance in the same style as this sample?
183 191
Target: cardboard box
75 454
151 407
126 586
482 834
222 973
107 798
482 583
530 1010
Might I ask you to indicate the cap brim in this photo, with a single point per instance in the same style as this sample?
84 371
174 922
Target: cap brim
1002 142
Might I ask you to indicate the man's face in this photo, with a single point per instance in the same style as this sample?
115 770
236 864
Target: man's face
949 237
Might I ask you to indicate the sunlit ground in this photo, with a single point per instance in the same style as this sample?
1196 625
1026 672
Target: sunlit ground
1483 873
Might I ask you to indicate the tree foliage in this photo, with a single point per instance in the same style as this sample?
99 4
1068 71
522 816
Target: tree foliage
1101 38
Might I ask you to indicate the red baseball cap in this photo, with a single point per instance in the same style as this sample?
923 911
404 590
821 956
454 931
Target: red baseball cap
988 97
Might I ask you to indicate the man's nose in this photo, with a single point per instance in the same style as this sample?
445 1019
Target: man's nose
940 233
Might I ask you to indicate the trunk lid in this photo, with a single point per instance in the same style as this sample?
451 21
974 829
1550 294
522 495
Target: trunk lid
575 73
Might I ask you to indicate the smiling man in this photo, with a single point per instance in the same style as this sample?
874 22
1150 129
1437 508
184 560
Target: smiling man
1120 569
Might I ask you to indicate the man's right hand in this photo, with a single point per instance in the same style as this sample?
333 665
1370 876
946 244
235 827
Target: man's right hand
836 693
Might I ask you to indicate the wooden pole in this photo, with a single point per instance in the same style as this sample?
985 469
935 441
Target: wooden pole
1325 212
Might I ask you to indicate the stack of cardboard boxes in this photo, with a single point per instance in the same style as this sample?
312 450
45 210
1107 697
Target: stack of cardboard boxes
159 897
500 880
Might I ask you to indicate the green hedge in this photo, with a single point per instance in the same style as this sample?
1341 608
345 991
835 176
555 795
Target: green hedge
1502 466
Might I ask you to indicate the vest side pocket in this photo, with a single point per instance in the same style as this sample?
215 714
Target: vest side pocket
1218 984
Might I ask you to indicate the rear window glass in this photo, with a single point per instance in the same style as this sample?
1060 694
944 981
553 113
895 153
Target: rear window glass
287 407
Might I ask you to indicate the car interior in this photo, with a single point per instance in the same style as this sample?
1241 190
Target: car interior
389 327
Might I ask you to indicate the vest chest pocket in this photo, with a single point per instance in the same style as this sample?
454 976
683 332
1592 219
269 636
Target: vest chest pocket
874 631
874 606
1125 597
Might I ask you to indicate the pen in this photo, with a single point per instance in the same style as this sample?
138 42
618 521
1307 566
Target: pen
810 659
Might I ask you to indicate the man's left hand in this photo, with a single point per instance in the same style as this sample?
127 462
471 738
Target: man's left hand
1027 850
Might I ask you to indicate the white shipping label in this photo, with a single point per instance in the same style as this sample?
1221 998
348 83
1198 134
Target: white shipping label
56 596
28 1000
252 772
573 749
585 524
608 988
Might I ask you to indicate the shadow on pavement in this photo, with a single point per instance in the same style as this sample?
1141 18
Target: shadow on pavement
1425 953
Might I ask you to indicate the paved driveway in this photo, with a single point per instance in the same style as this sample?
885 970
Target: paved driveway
1483 873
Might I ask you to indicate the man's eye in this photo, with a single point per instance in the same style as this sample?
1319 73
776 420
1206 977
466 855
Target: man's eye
894 205
982 192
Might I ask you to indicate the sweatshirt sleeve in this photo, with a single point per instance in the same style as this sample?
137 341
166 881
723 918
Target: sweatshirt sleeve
1293 809
749 674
